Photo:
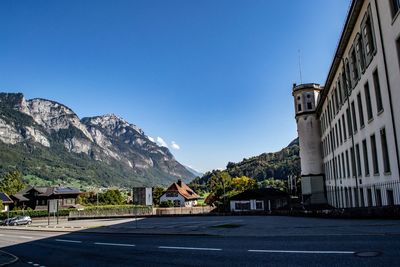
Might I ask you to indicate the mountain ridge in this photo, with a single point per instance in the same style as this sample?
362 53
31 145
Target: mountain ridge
112 150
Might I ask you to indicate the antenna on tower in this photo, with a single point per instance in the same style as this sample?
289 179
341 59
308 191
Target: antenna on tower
301 78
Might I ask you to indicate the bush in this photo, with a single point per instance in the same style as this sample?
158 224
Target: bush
33 213
167 204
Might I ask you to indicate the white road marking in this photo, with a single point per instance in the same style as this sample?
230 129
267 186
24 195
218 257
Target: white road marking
114 244
68 241
190 248
301 251
25 237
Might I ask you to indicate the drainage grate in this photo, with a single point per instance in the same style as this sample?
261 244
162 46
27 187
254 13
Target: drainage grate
368 254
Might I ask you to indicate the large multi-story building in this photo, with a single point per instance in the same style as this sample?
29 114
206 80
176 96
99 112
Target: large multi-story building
349 129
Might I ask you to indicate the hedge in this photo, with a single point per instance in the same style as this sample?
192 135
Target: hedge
33 213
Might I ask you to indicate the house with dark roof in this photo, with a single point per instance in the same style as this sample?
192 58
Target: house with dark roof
259 200
180 194
7 202
37 197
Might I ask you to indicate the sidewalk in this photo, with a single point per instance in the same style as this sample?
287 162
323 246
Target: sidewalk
257 226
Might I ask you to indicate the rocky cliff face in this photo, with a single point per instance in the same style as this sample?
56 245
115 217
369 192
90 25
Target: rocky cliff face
108 139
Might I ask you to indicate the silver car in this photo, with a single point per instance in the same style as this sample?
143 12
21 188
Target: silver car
19 220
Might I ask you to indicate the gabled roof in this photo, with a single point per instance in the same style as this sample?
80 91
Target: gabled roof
5 198
19 197
50 190
184 190
261 193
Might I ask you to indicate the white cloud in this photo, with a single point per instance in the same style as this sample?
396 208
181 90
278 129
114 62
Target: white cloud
151 139
175 145
161 142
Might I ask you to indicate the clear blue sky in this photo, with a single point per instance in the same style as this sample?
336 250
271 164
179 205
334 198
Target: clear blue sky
215 76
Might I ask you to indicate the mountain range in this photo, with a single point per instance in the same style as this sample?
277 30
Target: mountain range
47 140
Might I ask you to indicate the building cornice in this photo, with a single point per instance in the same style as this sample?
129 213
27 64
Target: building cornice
352 16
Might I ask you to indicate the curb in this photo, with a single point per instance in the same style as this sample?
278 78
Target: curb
14 260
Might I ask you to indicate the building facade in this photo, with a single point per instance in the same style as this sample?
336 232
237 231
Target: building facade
180 194
142 196
349 129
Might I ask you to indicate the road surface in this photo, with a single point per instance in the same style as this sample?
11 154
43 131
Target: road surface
114 249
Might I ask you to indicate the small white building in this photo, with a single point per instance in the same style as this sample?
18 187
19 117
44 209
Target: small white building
180 194
6 200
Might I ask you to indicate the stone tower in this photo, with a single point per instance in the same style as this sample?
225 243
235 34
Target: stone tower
308 128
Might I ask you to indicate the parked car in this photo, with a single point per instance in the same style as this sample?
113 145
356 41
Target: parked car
19 220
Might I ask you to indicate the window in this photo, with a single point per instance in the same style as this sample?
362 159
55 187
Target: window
348 77
344 85
354 67
378 198
344 128
369 196
242 205
358 160
368 37
368 101
336 100
343 166
390 197
374 155
337 135
309 105
385 152
362 204
349 122
353 114
299 107
365 154
171 194
360 53
259 205
353 163
347 163
340 91
340 132
360 110
378 94
395 5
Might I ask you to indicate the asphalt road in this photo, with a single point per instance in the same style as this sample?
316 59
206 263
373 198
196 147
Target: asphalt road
89 249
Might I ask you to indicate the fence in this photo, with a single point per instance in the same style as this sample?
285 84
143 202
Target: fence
365 195
136 211
111 212
183 210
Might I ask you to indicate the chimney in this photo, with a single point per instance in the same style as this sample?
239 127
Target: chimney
180 182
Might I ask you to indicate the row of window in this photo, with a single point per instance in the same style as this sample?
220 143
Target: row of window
360 56
355 117
349 163
368 197
395 6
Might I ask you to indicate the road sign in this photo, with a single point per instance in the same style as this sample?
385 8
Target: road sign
53 206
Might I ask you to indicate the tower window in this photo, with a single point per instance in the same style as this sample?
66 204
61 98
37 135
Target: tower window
298 107
309 105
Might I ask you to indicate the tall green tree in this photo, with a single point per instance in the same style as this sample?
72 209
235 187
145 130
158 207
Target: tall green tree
1 205
157 193
111 197
11 182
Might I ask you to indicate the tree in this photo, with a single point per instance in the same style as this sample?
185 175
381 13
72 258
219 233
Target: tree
219 184
11 183
274 183
111 197
157 193
243 183
1 205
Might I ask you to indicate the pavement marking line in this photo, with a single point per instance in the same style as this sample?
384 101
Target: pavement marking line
24 236
68 241
114 244
190 248
301 251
